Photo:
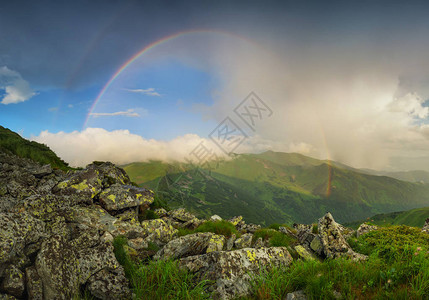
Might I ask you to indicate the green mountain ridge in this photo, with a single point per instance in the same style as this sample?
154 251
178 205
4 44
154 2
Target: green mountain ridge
11 142
281 187
414 217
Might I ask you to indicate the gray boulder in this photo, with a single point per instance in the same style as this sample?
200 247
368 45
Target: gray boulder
191 244
231 270
365 228
426 226
333 243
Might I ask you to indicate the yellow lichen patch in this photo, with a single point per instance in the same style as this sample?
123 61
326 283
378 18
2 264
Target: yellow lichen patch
80 186
138 196
251 255
112 198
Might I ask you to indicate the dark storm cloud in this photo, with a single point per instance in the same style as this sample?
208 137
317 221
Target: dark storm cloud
80 43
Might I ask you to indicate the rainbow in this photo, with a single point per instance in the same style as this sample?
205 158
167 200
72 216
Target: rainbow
147 48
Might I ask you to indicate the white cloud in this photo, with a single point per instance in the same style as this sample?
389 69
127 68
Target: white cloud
120 146
70 106
411 104
52 109
129 113
148 91
15 87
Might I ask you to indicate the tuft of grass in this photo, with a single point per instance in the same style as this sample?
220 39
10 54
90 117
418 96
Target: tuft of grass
166 280
275 238
315 229
159 279
219 227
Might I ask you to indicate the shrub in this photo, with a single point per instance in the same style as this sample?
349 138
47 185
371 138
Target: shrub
219 227
275 238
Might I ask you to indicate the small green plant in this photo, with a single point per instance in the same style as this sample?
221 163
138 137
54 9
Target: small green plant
219 227
315 229
275 238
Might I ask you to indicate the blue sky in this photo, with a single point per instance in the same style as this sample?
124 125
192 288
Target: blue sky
345 81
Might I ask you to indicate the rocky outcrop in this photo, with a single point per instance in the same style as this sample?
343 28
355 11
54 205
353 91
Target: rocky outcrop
192 244
332 241
231 270
245 241
54 239
365 228
426 226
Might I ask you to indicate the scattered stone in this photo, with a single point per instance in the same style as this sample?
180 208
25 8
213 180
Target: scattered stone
215 218
230 242
333 243
158 231
138 243
161 212
259 243
365 228
34 284
297 295
118 197
191 244
106 285
181 215
426 226
245 241
286 231
231 270
304 253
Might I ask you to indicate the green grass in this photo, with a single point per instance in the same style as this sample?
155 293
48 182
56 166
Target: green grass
218 227
397 268
159 279
275 238
13 143
414 217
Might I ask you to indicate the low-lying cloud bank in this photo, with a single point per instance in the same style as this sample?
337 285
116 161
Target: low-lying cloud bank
80 148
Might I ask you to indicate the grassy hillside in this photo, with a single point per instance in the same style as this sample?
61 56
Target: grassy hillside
278 187
414 217
11 142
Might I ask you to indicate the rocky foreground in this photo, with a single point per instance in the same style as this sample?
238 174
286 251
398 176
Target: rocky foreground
57 229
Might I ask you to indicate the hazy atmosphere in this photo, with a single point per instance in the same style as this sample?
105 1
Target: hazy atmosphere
127 82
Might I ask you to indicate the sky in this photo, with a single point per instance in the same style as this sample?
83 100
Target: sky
132 81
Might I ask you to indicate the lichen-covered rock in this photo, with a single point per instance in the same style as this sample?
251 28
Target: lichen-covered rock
93 260
236 220
158 231
365 228
191 244
286 231
89 182
346 232
231 270
215 218
180 215
316 245
16 232
106 285
161 212
230 242
304 253
138 243
7 297
192 224
245 241
259 243
96 217
333 243
426 226
13 282
58 267
118 197
249 228
297 295
34 284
